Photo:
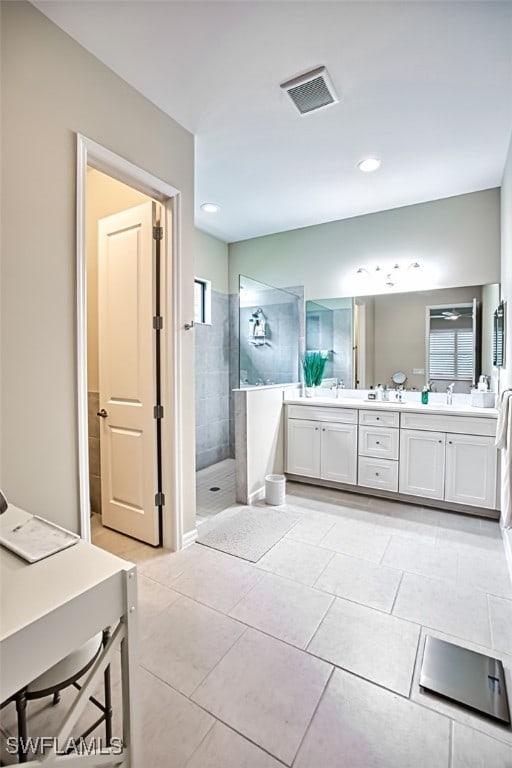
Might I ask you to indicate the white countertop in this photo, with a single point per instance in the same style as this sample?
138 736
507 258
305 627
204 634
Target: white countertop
457 409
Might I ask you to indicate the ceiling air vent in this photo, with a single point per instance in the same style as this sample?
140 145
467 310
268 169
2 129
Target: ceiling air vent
311 91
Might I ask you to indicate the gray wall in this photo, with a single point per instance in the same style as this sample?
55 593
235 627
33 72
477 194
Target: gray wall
506 289
212 343
456 240
51 89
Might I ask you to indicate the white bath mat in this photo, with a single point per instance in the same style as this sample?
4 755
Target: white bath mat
250 532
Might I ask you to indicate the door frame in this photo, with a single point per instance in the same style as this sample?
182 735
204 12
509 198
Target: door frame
89 153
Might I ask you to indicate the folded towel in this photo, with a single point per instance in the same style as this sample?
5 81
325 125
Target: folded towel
504 416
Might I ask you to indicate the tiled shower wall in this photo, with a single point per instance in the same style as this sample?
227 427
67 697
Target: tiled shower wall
212 345
280 334
277 360
94 452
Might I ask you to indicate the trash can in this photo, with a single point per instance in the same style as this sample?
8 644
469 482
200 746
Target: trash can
275 489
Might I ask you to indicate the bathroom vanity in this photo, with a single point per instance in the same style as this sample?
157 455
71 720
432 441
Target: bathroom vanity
436 454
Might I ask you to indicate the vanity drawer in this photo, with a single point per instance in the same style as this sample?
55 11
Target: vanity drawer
318 413
378 473
461 425
379 442
379 418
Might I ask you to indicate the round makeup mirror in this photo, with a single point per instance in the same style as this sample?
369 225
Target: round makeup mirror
399 378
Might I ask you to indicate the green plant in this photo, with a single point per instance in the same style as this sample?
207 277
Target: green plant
313 365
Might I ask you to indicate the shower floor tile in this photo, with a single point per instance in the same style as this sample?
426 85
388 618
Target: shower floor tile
221 476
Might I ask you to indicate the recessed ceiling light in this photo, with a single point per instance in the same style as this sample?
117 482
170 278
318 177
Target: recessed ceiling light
210 207
369 165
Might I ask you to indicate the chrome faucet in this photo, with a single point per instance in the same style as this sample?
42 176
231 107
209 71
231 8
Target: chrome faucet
338 384
449 393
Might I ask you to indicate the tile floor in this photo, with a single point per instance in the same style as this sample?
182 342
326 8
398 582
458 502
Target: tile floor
310 658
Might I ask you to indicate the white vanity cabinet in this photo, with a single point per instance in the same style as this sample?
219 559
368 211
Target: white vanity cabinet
338 453
378 449
470 470
458 466
303 447
422 460
442 456
322 443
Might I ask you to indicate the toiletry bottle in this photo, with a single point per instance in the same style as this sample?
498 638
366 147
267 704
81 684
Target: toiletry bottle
424 395
378 392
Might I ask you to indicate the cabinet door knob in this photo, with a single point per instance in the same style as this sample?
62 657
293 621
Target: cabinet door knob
376 474
323 429
439 441
450 442
316 429
377 418
377 442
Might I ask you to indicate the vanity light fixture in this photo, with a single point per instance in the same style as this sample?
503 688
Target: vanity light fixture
369 164
390 275
210 207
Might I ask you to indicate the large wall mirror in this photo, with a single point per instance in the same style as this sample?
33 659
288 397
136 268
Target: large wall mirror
369 338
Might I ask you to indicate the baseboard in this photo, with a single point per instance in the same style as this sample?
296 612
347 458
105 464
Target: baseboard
507 543
257 495
189 538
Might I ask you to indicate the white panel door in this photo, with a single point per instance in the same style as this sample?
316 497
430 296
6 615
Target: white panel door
303 447
127 372
339 453
471 470
422 463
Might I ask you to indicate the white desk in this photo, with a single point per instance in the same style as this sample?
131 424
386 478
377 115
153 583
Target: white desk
49 608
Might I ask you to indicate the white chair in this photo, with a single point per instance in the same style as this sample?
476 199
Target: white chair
63 674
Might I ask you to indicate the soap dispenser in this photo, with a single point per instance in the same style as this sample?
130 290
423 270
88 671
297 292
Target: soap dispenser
424 395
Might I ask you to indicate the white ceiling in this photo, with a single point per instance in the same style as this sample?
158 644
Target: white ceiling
425 86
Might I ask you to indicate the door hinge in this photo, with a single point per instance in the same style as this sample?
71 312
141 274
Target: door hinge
158 322
159 499
158 412
158 233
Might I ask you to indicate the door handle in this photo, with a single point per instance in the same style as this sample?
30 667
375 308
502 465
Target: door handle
102 413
